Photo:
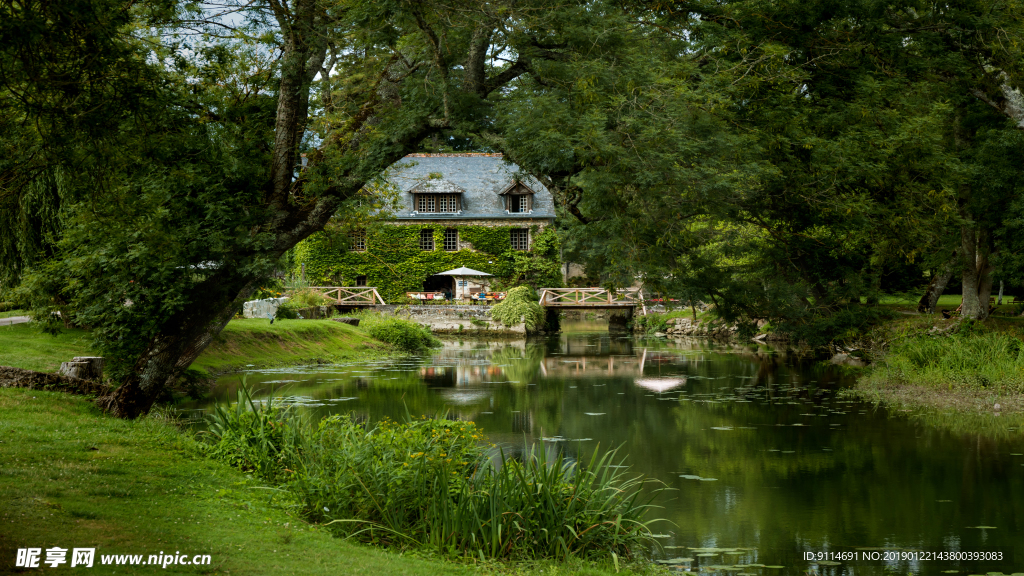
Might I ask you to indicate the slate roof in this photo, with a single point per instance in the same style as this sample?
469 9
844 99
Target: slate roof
481 178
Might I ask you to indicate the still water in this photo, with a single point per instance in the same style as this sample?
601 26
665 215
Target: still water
765 462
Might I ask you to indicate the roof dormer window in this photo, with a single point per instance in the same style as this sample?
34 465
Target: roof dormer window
437 196
518 198
437 203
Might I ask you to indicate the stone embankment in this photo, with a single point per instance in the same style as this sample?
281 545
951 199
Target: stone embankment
687 327
716 329
454 319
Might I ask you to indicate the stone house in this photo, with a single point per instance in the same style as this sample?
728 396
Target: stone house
472 210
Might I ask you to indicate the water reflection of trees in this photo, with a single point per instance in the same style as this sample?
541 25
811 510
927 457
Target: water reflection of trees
872 480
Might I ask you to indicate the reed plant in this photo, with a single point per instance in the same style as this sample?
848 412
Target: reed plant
432 482
535 508
969 360
257 436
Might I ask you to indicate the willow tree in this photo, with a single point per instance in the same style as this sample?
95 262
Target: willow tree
254 124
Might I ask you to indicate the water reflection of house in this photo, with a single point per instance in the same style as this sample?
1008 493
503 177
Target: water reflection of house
569 366
461 375
522 422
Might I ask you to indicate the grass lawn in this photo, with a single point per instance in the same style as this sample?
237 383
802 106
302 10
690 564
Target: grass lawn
258 342
25 346
10 313
72 477
75 478
242 343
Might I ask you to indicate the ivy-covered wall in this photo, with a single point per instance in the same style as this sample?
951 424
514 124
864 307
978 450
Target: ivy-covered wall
394 263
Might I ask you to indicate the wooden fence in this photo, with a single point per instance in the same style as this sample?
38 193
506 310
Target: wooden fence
351 295
592 298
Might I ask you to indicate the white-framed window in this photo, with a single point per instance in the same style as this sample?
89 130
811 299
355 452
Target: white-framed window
451 240
357 241
437 203
426 239
520 239
518 204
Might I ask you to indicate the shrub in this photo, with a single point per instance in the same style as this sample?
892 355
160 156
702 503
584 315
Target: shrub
651 323
300 300
520 305
429 482
404 334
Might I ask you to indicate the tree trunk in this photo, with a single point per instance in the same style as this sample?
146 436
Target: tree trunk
977 273
999 302
294 213
937 285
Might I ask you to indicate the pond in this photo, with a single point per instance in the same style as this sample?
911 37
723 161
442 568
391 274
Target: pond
765 460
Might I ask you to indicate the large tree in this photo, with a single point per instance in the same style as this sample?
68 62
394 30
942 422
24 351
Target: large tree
200 186
781 157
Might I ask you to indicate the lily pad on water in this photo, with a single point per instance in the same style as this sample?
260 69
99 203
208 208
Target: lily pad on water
828 563
983 527
721 427
675 561
950 571
689 476
709 479
708 555
595 413
943 500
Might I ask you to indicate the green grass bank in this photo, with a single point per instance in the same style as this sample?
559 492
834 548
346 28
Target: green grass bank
958 375
73 477
242 343
257 342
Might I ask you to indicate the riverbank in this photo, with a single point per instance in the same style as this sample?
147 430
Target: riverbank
242 344
74 477
957 375
248 343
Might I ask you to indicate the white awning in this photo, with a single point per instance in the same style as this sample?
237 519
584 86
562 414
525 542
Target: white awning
463 271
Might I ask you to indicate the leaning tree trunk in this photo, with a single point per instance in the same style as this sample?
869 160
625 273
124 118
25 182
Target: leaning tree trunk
293 213
976 272
937 285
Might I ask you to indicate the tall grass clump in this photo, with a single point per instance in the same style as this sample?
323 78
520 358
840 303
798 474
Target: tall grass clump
432 483
971 360
403 334
256 436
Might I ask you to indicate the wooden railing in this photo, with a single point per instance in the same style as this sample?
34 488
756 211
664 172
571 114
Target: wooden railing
351 295
591 298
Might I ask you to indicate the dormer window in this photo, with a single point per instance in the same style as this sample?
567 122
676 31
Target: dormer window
437 196
518 198
519 203
437 203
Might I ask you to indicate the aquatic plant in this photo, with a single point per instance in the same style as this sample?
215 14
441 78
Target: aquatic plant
431 482
251 435
539 509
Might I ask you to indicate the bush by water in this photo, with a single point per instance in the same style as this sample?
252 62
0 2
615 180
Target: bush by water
433 483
